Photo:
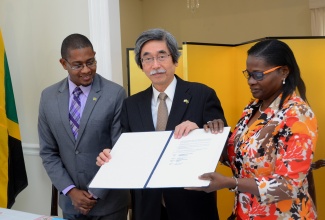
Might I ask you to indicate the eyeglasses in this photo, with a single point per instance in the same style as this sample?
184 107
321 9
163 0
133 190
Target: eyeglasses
160 58
258 76
90 64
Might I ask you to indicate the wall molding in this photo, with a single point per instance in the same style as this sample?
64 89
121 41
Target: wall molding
30 149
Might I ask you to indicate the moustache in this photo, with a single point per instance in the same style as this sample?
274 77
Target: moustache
153 72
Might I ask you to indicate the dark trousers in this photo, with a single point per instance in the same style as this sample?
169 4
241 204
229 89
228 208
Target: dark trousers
163 213
181 204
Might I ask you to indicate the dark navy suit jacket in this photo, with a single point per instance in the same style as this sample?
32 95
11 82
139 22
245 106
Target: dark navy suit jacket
202 105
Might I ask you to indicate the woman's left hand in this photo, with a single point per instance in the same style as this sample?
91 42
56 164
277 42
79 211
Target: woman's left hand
215 126
217 181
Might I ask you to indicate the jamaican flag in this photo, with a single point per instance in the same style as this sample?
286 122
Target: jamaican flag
13 178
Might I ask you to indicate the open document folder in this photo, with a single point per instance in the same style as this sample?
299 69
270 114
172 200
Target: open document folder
158 160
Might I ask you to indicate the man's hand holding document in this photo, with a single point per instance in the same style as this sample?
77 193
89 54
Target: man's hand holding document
158 160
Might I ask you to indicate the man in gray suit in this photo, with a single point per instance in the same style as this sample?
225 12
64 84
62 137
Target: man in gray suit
78 118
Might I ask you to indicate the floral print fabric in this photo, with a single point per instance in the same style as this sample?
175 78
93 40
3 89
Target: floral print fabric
277 151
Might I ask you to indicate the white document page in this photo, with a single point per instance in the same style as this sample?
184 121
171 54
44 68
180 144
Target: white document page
133 157
186 158
10 214
136 161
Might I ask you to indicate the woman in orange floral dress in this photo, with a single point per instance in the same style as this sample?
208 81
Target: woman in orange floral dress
272 146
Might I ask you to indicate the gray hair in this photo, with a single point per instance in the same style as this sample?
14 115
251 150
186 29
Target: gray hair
160 35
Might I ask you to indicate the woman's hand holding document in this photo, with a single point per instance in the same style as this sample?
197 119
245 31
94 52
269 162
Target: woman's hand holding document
158 160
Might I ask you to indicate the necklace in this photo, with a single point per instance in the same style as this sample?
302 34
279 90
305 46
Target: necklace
259 109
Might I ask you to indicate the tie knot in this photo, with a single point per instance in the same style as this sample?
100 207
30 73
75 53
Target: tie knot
162 96
77 91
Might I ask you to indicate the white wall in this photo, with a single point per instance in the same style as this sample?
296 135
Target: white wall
33 31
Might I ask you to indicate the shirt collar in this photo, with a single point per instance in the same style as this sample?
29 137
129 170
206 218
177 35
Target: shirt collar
170 91
85 89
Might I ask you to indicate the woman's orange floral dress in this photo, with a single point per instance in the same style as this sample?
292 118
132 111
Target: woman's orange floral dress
277 150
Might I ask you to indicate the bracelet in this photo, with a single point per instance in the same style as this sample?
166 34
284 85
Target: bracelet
235 189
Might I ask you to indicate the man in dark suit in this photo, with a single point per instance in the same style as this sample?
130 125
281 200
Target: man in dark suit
75 128
190 105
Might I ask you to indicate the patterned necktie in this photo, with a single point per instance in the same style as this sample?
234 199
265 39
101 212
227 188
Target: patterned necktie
162 116
74 113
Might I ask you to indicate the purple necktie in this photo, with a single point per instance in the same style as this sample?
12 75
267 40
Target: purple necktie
74 113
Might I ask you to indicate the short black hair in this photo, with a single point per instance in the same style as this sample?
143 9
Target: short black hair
74 41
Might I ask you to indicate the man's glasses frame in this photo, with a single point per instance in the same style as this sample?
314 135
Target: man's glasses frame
149 60
90 64
258 76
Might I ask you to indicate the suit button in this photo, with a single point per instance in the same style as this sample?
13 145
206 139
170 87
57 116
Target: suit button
77 152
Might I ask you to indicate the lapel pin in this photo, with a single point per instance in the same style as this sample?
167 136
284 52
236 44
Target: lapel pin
94 99
186 101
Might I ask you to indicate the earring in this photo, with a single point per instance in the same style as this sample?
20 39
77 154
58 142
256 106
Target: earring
284 81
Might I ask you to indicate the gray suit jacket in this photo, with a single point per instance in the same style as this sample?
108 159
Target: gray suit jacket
68 161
